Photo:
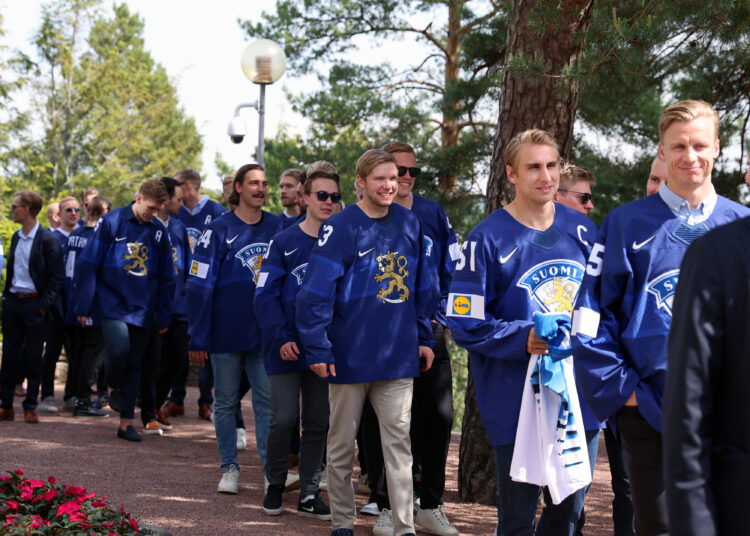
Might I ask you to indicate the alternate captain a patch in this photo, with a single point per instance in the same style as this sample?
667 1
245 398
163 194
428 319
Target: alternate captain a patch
663 288
252 257
554 284
465 305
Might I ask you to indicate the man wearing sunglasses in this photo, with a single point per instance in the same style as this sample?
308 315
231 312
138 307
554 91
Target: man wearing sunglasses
289 375
70 212
575 187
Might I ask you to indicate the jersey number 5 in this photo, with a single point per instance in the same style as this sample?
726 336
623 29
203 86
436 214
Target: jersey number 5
594 266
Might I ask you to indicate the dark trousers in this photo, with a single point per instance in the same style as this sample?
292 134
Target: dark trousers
622 504
205 384
86 351
56 340
24 331
125 346
642 445
150 364
174 355
431 423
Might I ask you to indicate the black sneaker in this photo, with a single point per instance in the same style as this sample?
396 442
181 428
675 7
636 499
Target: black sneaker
314 507
129 434
85 409
273 503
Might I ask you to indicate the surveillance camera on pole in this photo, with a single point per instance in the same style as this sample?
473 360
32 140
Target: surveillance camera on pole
236 129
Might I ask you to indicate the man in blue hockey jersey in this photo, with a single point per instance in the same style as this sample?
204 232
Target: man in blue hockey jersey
624 313
221 287
363 319
284 356
125 277
196 213
524 259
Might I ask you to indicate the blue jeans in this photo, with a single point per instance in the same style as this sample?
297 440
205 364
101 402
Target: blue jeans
227 370
517 501
126 344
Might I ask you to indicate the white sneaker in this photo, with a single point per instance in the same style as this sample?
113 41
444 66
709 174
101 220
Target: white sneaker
384 526
241 437
370 509
292 482
230 480
48 404
323 480
435 522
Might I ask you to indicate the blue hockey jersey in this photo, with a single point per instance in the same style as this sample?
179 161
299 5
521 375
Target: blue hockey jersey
441 240
280 279
288 221
368 293
198 219
624 312
125 272
180 246
506 273
73 247
221 283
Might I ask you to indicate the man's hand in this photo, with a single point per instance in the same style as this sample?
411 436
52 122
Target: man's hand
426 357
324 369
198 357
83 320
535 345
162 331
289 351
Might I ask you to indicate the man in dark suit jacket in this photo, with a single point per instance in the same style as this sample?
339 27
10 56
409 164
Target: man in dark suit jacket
33 279
706 405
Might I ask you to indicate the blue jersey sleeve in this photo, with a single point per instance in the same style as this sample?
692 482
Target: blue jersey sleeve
428 294
165 292
203 273
315 300
268 300
603 373
87 266
474 293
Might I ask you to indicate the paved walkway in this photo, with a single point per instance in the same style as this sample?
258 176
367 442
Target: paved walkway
170 480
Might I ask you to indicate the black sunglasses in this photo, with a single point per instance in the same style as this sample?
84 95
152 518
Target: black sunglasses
71 209
14 207
323 196
413 171
585 197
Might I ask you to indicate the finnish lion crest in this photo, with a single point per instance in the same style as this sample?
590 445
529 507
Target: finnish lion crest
393 268
554 284
137 255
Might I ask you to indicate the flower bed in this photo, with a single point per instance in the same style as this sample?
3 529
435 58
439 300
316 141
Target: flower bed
36 507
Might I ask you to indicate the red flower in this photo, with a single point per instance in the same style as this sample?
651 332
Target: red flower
4 478
108 525
26 493
134 524
19 472
35 524
36 484
51 480
69 508
51 494
75 490
11 505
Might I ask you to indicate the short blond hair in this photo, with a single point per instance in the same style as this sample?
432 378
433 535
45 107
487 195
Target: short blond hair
372 158
533 136
572 173
228 178
687 110
397 146
66 200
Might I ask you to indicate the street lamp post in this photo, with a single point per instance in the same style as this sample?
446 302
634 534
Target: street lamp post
263 63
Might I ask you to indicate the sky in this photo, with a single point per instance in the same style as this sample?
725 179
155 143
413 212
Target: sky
200 44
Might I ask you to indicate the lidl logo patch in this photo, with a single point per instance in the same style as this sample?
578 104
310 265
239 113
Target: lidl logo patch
465 305
199 269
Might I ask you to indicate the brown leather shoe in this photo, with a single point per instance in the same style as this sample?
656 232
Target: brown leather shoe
29 415
162 420
204 412
173 410
19 391
7 414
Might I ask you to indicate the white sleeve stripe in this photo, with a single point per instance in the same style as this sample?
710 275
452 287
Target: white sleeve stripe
585 322
262 279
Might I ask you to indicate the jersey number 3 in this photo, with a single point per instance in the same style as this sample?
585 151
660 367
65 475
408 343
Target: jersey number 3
327 231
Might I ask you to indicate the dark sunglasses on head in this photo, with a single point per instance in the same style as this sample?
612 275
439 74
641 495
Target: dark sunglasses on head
413 171
71 209
585 197
323 196
14 207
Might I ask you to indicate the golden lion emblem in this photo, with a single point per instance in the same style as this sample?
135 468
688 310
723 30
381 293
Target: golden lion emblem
394 272
176 261
561 296
137 256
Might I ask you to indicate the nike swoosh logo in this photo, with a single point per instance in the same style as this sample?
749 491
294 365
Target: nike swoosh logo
363 253
287 253
233 239
308 508
505 259
637 246
120 239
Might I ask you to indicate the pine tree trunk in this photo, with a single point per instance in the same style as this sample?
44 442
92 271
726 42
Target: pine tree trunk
548 102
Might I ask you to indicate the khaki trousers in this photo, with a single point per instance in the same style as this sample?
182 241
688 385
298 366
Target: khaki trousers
391 400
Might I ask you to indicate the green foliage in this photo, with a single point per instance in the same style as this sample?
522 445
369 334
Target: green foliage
460 375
